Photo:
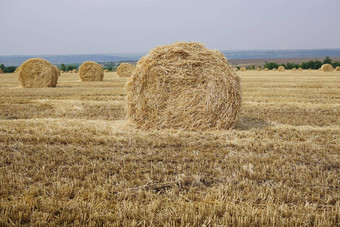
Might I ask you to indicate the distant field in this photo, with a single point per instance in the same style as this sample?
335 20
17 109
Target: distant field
68 156
261 62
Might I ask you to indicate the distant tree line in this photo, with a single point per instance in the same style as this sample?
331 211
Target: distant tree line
7 69
66 68
316 64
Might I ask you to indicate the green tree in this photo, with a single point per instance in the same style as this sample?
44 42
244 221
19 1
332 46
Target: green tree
63 67
271 65
2 66
327 60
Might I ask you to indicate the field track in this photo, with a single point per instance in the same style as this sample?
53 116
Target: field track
68 156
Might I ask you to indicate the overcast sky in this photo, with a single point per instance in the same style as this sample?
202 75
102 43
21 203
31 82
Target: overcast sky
108 26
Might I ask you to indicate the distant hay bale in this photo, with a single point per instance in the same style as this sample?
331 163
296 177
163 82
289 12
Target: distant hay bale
37 73
281 68
91 71
293 69
327 68
258 69
309 69
337 68
106 71
74 71
242 69
70 71
183 86
125 70
300 69
62 71
274 69
0 70
266 69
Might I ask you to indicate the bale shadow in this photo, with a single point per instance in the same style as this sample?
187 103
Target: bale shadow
247 123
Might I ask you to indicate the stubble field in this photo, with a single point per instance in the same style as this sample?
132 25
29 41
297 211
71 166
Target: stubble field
69 157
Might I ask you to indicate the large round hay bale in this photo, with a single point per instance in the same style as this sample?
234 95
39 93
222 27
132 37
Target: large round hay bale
125 70
266 69
293 69
327 68
183 86
258 69
337 68
37 73
300 69
281 68
91 71
242 69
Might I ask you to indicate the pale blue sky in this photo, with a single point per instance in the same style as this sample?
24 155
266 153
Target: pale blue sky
108 26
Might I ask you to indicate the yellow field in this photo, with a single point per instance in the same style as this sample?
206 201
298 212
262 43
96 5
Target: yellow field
68 156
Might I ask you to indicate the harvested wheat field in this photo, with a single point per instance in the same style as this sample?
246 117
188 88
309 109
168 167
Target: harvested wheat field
68 157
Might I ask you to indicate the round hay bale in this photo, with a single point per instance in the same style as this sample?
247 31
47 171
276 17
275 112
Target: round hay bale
300 69
125 70
281 68
266 69
258 69
242 69
91 71
62 71
37 73
70 71
74 71
17 70
56 74
183 86
309 69
293 69
327 68
337 68
106 71
0 70
274 69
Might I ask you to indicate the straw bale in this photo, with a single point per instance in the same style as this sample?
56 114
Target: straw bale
183 86
300 69
242 69
327 68
265 69
281 68
293 69
106 71
56 74
74 71
337 68
37 73
309 69
125 70
91 71
0 70
17 70
274 69
258 69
